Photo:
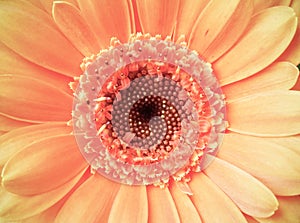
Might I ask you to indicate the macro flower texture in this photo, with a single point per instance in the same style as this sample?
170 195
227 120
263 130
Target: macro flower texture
149 111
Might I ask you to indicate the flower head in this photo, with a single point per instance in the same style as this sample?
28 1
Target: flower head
112 111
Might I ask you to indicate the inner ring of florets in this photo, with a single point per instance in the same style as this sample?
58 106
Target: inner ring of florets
122 126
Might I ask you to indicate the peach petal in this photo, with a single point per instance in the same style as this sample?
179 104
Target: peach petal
250 219
211 200
14 141
8 124
231 32
161 200
14 207
69 20
158 16
188 12
249 194
56 158
278 76
108 19
12 63
262 43
90 203
260 5
46 216
295 4
274 113
288 211
48 4
27 30
212 37
136 208
37 3
292 142
32 100
186 209
292 53
275 165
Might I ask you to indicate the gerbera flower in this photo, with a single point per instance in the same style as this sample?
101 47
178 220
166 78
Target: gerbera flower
253 48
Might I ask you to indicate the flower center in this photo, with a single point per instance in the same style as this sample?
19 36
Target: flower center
139 119
148 111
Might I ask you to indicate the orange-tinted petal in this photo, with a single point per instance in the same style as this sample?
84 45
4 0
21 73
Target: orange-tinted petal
186 209
211 202
43 166
288 211
189 11
30 32
278 76
90 203
108 19
130 205
8 124
273 164
48 4
274 113
69 20
161 206
212 37
30 99
263 4
14 141
249 194
267 36
158 16
15 207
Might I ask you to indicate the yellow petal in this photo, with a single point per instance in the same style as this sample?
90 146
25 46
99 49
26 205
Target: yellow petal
274 113
278 76
43 166
161 206
30 32
30 99
211 201
108 19
189 11
267 36
186 209
249 194
130 205
158 16
288 211
8 124
16 207
273 164
211 37
14 141
48 4
90 203
69 20
260 5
